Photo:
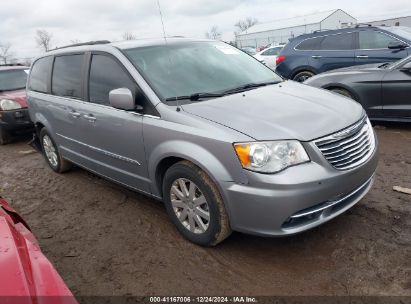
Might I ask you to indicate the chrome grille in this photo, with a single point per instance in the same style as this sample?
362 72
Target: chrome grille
350 147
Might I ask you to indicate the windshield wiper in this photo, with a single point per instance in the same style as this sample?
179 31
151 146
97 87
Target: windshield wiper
248 86
195 96
384 65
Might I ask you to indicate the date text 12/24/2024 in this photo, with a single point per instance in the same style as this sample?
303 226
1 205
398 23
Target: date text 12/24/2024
239 299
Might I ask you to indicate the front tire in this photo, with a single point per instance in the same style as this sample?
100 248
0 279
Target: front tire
343 92
195 205
51 153
4 137
303 76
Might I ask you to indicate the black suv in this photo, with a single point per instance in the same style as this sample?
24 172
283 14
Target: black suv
310 54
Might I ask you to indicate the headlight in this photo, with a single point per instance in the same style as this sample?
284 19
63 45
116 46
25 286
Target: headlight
270 156
8 104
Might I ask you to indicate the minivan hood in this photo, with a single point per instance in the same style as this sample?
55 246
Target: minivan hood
288 110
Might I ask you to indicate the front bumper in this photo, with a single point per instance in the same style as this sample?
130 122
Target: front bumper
297 199
16 121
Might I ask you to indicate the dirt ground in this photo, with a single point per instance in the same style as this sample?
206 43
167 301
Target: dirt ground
107 240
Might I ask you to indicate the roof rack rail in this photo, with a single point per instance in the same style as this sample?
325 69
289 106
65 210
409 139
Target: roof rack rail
322 30
362 24
84 43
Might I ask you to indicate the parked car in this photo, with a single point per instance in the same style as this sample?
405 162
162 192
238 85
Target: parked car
269 56
27 276
311 54
219 137
383 90
14 116
250 50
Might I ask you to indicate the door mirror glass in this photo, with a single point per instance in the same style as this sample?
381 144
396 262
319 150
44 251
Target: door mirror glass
396 45
122 99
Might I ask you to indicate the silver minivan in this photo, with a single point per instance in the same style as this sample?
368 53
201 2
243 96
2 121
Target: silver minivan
220 138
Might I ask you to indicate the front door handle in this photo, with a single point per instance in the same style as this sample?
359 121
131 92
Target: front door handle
90 117
75 114
362 56
316 56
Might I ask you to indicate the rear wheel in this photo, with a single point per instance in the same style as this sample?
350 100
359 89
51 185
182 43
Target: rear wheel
4 137
303 76
51 153
194 204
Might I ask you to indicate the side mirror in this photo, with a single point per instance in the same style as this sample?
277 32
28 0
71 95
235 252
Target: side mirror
122 99
396 46
406 67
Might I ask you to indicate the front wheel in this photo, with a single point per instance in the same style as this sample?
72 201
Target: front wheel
303 76
343 92
195 205
4 137
51 153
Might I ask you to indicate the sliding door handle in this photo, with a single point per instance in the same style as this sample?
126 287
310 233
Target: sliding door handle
362 56
90 117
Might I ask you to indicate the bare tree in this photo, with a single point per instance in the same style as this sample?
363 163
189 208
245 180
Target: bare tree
245 24
213 33
43 39
5 54
129 36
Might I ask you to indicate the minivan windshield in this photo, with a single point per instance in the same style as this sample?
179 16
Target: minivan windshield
11 80
199 69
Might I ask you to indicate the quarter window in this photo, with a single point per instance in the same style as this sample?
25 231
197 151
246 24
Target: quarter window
67 76
106 74
271 52
39 74
310 44
370 40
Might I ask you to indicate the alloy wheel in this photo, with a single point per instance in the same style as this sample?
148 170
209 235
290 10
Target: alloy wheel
50 151
190 205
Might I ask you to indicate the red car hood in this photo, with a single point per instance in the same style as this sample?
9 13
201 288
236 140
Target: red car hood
24 271
19 96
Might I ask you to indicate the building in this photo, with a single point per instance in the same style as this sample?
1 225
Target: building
281 31
400 21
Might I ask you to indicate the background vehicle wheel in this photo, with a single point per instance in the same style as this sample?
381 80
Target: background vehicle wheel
51 154
303 76
4 137
195 205
343 92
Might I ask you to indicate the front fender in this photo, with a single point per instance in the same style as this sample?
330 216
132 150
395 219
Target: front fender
194 153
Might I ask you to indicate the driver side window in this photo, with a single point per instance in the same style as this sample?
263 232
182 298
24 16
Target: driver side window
106 74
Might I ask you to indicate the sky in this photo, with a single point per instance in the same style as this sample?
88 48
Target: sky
86 20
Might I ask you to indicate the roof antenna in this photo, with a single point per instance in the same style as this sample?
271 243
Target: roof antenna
166 43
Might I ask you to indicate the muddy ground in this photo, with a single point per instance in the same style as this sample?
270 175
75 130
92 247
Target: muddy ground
106 240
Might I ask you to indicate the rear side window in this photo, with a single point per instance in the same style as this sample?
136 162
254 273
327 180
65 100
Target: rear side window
39 75
370 40
67 76
338 42
328 43
106 74
310 44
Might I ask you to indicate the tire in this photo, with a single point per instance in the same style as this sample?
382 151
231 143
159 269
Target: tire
343 92
303 76
198 229
4 137
51 153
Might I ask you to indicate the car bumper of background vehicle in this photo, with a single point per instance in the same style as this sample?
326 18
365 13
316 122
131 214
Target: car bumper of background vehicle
16 121
296 199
